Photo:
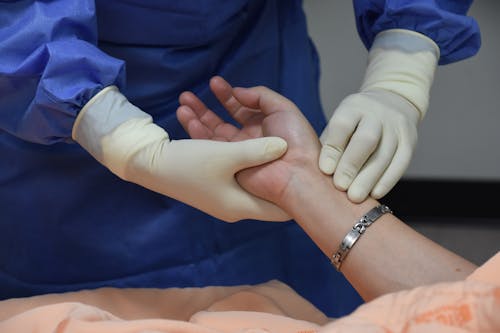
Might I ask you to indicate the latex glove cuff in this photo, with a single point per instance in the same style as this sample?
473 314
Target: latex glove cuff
404 62
113 130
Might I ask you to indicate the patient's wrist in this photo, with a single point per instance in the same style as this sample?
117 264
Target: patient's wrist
304 188
313 193
322 211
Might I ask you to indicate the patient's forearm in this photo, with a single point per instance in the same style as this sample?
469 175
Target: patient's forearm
389 256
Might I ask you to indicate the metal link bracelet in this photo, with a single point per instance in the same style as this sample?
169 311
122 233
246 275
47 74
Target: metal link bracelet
357 230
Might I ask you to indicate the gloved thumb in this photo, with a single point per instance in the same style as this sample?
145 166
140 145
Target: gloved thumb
254 152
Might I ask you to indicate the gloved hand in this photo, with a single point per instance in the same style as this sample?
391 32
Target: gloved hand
370 138
200 173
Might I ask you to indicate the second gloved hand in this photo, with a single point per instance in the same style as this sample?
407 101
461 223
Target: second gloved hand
200 173
369 141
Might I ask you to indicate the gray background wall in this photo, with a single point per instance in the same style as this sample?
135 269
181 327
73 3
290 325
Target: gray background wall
460 136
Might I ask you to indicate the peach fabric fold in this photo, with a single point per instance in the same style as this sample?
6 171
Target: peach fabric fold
472 305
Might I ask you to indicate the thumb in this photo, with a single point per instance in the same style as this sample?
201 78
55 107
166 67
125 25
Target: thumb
254 152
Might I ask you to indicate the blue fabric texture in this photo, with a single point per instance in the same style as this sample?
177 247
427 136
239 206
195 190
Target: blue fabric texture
50 67
66 222
444 21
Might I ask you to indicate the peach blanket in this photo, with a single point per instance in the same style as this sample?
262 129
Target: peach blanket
472 305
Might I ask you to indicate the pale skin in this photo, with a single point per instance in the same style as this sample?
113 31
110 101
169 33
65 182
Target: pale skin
389 256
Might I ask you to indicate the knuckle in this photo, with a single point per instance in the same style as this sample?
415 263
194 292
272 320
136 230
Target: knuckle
341 123
352 98
357 101
356 194
331 151
262 89
349 170
369 138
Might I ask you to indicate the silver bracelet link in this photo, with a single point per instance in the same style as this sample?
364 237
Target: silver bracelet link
357 230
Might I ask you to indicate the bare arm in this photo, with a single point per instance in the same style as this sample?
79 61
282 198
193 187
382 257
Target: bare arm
389 256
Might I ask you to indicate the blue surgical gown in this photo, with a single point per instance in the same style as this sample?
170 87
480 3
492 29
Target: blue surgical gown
67 223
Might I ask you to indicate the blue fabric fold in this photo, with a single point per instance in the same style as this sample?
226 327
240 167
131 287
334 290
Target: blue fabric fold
444 21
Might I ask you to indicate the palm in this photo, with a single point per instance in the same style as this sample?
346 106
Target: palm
272 115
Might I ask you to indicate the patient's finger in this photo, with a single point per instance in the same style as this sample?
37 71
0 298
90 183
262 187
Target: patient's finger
207 117
204 114
224 93
197 129
264 99
192 125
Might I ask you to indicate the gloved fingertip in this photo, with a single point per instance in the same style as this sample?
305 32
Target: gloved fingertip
328 160
342 181
275 147
379 192
327 164
356 194
254 152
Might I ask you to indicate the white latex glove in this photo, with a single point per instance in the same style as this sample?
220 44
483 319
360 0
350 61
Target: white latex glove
200 173
370 139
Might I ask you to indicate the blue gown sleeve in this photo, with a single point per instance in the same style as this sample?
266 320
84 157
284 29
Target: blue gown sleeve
50 67
444 21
